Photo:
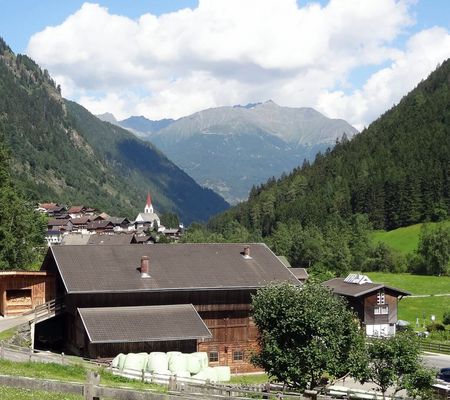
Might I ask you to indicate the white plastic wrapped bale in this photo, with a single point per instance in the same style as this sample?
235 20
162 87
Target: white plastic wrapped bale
170 354
208 373
157 361
194 364
116 360
122 358
223 374
178 362
136 362
197 361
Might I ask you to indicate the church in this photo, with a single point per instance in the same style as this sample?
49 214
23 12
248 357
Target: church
148 218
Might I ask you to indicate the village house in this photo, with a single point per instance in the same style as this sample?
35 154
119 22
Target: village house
76 211
374 303
102 226
60 224
80 224
106 289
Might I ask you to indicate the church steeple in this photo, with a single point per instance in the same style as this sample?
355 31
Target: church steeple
148 205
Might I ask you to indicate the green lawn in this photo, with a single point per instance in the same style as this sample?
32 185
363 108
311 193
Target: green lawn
411 308
416 284
7 393
249 379
73 373
405 240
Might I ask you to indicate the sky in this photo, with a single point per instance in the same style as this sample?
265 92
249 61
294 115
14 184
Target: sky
350 59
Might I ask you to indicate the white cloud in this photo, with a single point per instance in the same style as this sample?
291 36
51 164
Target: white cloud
424 51
234 51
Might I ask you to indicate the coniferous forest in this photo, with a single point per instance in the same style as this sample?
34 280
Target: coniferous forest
395 173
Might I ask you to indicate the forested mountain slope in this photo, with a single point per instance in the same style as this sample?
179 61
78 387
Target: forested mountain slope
397 171
61 152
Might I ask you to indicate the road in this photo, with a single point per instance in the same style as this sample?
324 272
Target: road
436 361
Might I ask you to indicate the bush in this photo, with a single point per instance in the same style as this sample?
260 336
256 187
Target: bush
446 318
435 326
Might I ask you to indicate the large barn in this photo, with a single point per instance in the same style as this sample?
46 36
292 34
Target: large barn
187 297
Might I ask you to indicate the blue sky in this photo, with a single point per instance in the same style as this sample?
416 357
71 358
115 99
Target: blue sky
346 60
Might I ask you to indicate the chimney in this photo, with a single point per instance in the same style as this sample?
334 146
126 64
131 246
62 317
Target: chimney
247 253
145 267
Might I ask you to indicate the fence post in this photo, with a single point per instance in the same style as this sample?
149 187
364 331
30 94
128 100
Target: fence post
143 375
62 358
89 389
30 354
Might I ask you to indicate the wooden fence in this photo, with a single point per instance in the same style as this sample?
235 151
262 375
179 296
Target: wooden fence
435 347
92 390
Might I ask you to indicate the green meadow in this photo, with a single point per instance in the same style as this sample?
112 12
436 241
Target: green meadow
405 240
416 284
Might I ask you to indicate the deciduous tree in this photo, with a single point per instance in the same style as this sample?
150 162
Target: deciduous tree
305 331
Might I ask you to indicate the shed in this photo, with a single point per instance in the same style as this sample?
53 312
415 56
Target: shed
21 291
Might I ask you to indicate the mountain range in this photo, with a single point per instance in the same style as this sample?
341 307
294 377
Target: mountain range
60 152
231 149
396 172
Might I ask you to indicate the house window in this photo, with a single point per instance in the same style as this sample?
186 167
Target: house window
213 356
380 298
238 355
381 310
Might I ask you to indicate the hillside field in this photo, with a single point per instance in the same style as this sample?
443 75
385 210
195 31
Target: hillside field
410 308
405 240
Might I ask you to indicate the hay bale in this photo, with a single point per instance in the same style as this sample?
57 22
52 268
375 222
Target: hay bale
223 374
178 362
157 361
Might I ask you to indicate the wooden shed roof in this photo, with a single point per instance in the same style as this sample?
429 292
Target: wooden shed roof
105 268
143 324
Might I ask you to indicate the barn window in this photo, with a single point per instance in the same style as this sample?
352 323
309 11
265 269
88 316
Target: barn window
381 310
238 355
213 356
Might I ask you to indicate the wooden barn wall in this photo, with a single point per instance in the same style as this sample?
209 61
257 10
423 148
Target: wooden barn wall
108 350
226 313
210 300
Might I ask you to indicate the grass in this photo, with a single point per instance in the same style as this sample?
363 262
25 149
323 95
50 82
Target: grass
411 308
73 373
253 379
7 393
416 284
8 334
404 240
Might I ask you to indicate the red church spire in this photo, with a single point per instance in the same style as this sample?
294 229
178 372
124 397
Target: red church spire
148 206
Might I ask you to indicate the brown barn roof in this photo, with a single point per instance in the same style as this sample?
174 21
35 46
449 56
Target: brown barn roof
143 324
338 286
172 267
